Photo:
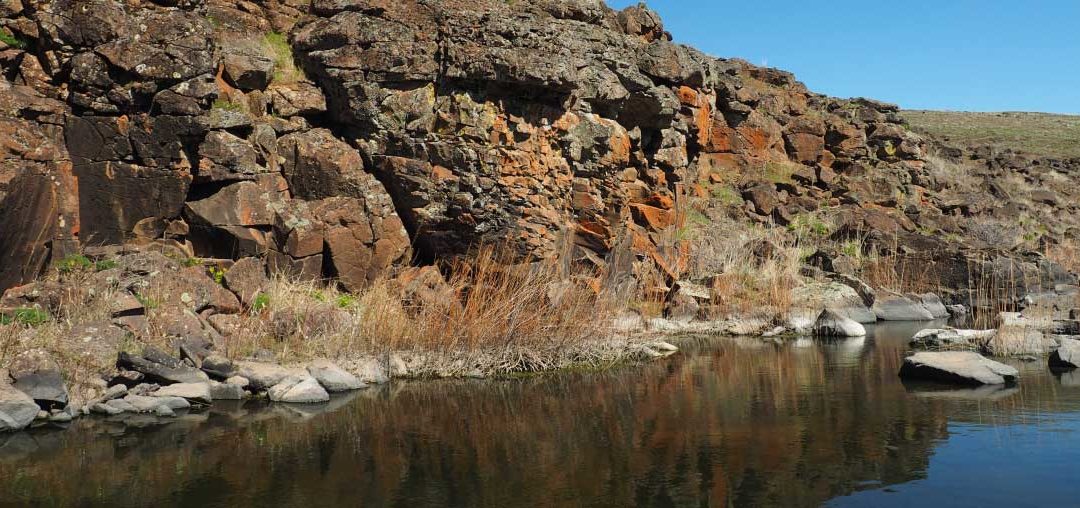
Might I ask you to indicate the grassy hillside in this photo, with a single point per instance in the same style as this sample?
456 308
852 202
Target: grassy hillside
1038 133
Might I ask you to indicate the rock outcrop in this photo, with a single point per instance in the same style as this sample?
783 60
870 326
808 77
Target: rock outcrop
332 137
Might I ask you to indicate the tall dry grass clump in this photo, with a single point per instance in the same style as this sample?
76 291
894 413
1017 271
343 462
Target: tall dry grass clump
489 315
751 269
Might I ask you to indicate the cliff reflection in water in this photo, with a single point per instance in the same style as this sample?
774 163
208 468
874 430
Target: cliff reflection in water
724 423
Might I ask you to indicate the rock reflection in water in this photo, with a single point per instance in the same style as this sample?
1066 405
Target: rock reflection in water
726 422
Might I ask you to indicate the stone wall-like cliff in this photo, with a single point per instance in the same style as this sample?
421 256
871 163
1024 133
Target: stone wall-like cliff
340 138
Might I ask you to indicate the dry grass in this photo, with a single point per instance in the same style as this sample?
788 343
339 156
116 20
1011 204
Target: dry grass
1066 254
752 269
1042 134
490 317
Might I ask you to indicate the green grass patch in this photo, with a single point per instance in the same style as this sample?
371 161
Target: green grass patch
11 40
105 264
74 262
25 316
1045 134
726 195
226 105
285 70
346 301
262 300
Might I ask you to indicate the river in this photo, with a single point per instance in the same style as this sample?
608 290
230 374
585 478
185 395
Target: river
725 422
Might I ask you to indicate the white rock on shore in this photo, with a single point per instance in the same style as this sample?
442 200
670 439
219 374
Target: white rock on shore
298 390
957 367
831 324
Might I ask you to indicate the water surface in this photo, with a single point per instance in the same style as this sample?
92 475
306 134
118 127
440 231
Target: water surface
724 423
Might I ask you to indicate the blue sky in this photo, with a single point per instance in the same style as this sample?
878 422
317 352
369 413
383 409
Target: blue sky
965 55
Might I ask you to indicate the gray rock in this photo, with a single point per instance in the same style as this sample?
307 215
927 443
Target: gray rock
105 409
371 371
1067 355
161 373
17 409
122 405
957 310
240 381
164 411
893 307
333 378
957 367
37 374
114 392
298 390
831 324
951 338
218 367
841 298
226 391
262 376
198 393
146 404
933 304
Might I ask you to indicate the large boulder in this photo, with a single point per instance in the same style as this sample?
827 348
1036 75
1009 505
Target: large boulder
832 324
841 298
198 393
159 370
37 374
334 378
1066 356
17 409
298 390
894 307
957 367
262 375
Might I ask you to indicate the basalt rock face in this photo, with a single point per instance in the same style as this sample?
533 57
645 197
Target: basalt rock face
333 136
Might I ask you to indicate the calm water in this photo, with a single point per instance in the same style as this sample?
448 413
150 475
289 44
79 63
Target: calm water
724 423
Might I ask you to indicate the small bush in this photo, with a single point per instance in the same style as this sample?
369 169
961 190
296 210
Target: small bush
190 262
217 274
346 301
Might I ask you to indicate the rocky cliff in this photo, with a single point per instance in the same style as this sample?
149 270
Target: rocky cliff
341 138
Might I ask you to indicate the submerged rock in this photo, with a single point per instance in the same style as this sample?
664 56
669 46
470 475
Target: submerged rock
1067 355
957 367
831 324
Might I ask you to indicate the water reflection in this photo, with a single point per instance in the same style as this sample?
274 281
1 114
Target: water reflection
724 423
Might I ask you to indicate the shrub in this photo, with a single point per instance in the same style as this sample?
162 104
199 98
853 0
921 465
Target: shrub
73 262
11 40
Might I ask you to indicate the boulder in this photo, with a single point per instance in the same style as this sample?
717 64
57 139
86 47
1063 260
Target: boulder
148 404
37 374
298 390
951 338
1066 356
218 367
247 278
262 375
334 378
226 391
933 304
808 300
831 324
198 393
160 373
371 371
894 307
17 409
957 367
